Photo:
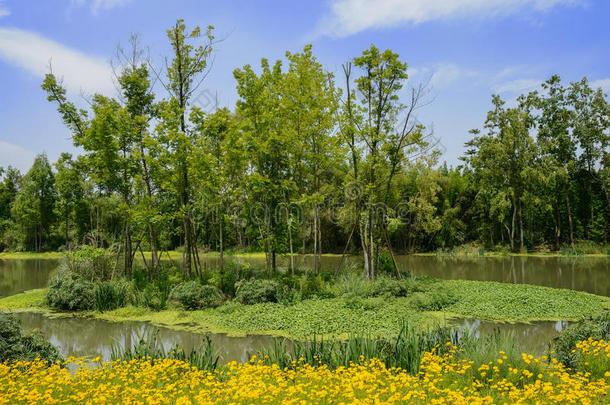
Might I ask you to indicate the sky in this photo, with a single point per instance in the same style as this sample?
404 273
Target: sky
465 50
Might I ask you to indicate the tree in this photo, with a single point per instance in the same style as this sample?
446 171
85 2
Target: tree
309 103
33 206
185 74
69 187
504 162
380 132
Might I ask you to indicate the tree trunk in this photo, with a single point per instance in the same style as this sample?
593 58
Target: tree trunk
128 251
365 251
520 225
570 219
290 243
221 248
315 242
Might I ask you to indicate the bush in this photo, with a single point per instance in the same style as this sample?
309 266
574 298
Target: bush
68 291
563 346
91 263
112 294
15 344
192 295
152 297
255 291
433 300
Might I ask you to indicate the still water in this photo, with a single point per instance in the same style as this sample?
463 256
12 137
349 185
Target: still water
577 273
82 337
17 275
91 337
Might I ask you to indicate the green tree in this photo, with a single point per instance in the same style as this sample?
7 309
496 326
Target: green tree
69 186
33 206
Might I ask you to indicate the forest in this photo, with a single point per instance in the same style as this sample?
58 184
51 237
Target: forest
307 162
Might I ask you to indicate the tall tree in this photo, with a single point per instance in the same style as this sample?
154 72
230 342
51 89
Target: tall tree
33 206
185 74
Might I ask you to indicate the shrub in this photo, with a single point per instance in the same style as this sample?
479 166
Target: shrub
255 291
563 346
68 291
433 300
15 344
112 294
152 297
192 295
91 263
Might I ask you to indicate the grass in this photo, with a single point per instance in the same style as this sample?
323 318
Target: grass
31 255
379 316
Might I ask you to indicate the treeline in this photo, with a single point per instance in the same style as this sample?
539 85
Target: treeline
306 163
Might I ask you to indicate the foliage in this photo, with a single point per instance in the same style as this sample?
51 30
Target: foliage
433 301
403 351
563 347
111 295
17 345
91 263
148 347
256 291
68 291
192 295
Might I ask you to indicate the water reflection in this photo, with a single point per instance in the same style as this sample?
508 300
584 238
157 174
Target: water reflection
18 275
577 273
532 337
91 337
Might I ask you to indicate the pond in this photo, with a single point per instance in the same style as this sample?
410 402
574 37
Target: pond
587 274
19 275
82 337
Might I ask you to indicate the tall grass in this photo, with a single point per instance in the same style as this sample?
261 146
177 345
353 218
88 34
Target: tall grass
148 346
404 351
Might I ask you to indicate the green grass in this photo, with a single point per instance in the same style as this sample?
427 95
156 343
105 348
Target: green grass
29 300
31 255
341 316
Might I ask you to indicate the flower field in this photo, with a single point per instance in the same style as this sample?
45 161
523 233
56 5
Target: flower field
445 378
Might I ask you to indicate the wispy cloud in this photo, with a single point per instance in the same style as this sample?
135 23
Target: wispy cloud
33 53
441 75
101 5
517 86
603 83
16 156
348 17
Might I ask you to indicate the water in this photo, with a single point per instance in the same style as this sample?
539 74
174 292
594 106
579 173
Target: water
577 273
533 337
82 337
19 275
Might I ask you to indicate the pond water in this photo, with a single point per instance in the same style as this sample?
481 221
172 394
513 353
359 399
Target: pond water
577 273
18 275
82 337
88 337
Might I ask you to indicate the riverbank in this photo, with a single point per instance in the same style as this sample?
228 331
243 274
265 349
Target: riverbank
341 316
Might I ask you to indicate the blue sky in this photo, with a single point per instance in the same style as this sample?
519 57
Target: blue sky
466 49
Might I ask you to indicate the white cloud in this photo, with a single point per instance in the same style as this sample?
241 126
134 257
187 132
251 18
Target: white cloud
517 86
4 11
32 52
441 74
603 83
16 156
352 16
101 5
